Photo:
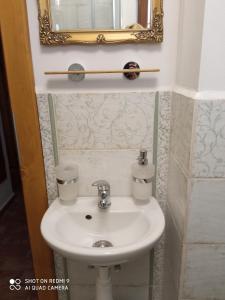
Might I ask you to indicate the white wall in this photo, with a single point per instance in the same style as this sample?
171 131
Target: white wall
190 43
212 72
106 57
201 48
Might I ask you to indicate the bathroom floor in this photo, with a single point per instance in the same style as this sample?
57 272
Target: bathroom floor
15 253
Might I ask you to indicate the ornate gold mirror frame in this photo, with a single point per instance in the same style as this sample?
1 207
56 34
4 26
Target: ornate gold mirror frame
51 38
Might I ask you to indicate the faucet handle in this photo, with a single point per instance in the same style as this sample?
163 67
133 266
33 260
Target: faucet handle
102 185
103 193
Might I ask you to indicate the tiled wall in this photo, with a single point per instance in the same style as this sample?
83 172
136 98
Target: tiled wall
182 122
103 134
104 121
204 266
195 260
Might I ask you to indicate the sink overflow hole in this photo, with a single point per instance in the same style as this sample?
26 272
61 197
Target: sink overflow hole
88 217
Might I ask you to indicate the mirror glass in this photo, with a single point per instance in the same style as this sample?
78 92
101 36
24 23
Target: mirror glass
75 15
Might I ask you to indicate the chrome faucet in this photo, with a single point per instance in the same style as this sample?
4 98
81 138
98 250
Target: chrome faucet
103 193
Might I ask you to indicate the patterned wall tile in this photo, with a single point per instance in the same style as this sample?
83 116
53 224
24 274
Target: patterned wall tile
181 130
158 269
209 153
104 121
163 135
163 140
47 145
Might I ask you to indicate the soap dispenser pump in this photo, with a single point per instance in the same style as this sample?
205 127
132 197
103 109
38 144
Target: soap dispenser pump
142 177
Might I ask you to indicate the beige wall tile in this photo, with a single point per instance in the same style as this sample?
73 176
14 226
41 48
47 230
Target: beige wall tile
173 258
204 272
181 130
177 194
206 221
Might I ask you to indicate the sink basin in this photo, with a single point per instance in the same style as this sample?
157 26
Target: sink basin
99 237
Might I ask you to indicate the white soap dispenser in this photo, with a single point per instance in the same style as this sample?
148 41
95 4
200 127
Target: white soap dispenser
142 177
67 182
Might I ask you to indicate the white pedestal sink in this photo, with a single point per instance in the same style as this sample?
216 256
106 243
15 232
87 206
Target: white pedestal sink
103 238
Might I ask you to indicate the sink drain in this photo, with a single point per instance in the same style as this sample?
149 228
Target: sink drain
102 244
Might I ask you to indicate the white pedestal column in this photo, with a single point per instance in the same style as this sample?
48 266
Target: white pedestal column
104 284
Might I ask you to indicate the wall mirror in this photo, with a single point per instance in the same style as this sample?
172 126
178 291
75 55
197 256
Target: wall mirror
100 21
